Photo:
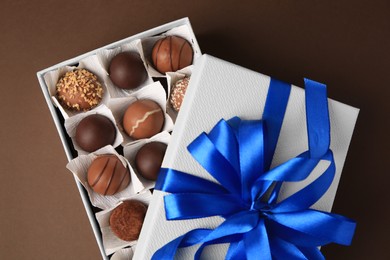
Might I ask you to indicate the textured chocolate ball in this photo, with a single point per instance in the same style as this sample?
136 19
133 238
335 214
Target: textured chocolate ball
143 119
178 91
172 53
149 159
126 220
127 70
79 90
94 132
107 175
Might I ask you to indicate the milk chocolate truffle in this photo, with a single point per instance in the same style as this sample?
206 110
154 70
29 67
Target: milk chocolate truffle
94 132
178 92
127 70
126 219
171 54
149 159
143 119
107 175
79 90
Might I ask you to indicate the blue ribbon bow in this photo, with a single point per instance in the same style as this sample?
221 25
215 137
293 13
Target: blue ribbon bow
238 154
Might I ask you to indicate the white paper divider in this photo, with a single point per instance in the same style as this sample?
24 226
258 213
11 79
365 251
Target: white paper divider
155 92
111 242
79 167
124 254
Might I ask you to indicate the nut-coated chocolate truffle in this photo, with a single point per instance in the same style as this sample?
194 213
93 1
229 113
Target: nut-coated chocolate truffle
149 159
127 70
172 53
94 132
126 220
143 119
79 90
107 175
178 92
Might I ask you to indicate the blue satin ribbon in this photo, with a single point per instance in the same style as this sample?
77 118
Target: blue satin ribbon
238 154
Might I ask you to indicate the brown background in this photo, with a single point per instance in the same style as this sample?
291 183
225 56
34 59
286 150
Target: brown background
342 43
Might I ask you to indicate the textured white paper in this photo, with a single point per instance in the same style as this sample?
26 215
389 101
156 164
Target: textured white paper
219 89
79 167
72 123
111 242
131 150
155 92
124 254
148 42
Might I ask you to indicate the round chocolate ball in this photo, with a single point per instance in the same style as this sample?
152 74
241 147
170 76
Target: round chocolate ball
106 175
143 119
126 220
79 90
172 53
94 132
127 70
149 159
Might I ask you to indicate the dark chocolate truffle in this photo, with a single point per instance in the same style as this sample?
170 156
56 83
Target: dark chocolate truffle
94 132
149 159
107 175
172 53
126 220
143 119
178 92
127 70
79 90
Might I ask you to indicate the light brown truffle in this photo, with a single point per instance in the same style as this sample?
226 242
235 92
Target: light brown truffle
79 90
143 119
107 175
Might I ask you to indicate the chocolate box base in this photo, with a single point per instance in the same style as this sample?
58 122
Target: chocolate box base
59 120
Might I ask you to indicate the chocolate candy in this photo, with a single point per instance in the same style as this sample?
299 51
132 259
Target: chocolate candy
178 92
127 70
149 158
107 175
94 132
79 90
143 119
171 54
126 220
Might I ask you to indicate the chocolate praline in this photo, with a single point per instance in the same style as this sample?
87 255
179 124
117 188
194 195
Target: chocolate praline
178 93
143 119
127 70
79 90
126 220
149 159
94 132
172 53
106 175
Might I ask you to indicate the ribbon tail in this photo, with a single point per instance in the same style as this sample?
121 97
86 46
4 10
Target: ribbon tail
312 253
236 251
256 243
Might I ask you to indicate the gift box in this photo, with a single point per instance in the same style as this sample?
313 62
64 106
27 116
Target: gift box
222 98
113 104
